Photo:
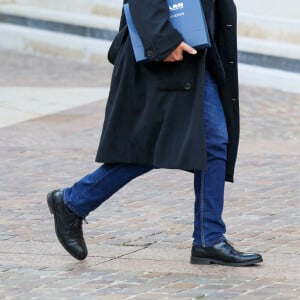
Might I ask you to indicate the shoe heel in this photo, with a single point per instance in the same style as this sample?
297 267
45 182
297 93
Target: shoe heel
200 261
50 203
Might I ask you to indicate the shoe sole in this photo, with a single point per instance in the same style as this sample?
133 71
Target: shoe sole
210 261
51 206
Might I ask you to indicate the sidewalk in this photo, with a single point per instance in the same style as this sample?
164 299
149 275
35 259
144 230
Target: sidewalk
139 240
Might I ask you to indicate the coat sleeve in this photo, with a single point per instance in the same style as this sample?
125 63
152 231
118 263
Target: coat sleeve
151 18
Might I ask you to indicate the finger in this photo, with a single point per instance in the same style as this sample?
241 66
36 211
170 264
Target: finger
178 57
174 57
187 48
169 60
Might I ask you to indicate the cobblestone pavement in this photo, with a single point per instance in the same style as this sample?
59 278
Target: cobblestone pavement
139 241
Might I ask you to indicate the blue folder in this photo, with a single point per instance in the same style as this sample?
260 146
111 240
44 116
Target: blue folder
187 17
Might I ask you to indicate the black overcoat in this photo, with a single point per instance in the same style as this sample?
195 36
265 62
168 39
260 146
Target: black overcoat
154 113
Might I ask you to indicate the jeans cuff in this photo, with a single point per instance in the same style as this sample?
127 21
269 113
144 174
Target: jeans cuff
72 208
210 243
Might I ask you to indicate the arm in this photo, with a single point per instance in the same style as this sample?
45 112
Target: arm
159 37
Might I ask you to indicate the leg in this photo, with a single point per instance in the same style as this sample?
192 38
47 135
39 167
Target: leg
209 227
73 204
92 190
210 245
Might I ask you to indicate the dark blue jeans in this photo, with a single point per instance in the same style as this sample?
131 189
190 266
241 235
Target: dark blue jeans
92 190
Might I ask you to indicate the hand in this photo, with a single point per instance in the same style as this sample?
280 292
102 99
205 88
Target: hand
177 54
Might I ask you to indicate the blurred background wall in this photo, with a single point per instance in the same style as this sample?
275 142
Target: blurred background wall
269 30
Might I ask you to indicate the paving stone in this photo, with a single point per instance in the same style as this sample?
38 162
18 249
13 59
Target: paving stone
139 241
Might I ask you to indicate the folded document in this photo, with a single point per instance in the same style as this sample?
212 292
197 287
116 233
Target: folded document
187 17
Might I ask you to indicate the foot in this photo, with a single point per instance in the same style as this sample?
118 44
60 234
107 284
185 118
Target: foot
223 253
68 226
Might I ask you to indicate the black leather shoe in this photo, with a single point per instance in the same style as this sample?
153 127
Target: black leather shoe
68 226
223 253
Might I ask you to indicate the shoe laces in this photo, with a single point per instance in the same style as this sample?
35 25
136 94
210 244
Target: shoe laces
77 223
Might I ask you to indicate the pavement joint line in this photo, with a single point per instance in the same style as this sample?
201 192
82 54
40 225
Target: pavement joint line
120 256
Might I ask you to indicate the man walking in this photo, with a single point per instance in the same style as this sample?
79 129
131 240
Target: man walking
180 110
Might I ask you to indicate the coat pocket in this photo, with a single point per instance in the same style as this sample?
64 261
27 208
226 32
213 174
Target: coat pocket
175 76
116 44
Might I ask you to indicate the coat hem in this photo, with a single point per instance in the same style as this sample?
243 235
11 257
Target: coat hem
229 178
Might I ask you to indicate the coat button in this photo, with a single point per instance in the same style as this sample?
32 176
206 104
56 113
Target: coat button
149 53
187 86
